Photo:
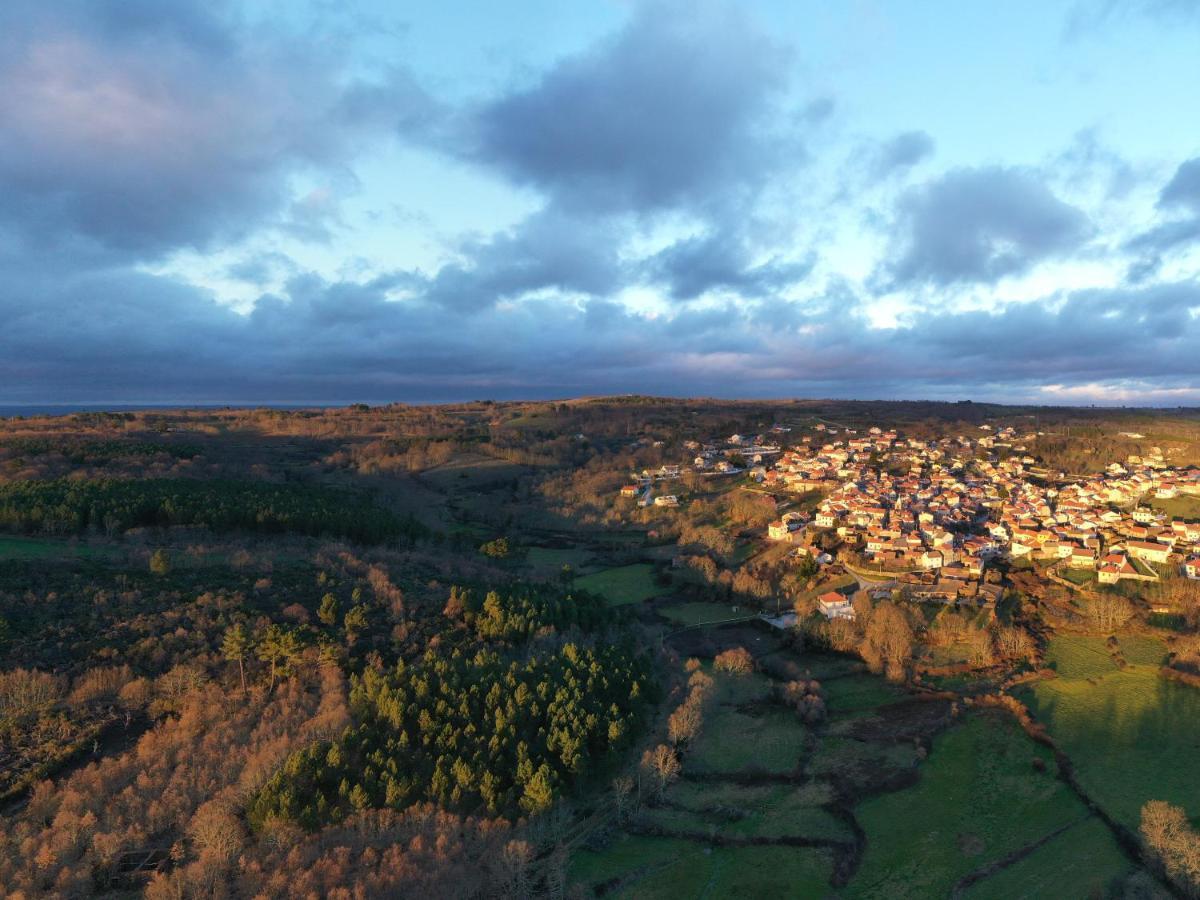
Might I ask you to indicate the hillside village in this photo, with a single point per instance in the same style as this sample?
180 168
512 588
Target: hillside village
935 516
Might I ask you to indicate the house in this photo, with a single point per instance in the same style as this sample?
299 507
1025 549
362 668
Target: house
1191 568
783 529
1113 568
666 500
827 518
931 559
835 606
1082 558
1150 551
631 490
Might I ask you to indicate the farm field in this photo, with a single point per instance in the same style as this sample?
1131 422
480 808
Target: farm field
622 585
1183 506
1082 861
979 798
743 732
649 868
756 773
36 548
547 562
699 613
1131 734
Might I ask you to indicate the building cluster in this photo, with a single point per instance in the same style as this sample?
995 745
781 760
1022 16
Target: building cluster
954 504
936 513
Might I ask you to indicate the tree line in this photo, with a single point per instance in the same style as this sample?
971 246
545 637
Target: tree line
75 506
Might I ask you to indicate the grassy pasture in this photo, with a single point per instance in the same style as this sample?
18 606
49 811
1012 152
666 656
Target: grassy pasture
648 868
1081 862
771 740
472 472
622 585
755 810
854 695
1131 734
1182 507
979 798
547 562
700 613
45 548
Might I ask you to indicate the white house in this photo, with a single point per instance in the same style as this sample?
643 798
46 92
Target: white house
835 606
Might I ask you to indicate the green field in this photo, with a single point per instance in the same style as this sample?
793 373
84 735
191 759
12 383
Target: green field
979 798
1081 862
701 613
1132 735
651 867
622 585
548 562
857 694
770 811
40 548
1182 507
988 815
1080 577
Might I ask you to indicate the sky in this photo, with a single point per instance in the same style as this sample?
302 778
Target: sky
324 202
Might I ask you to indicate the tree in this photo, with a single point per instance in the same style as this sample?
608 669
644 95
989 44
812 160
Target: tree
457 604
497 549
1172 843
684 724
736 660
1108 612
663 763
160 562
278 647
236 646
328 611
1014 642
355 621
538 795
622 795
888 642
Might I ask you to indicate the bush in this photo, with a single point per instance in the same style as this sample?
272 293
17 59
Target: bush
736 661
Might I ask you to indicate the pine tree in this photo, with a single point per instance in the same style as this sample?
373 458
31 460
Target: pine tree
328 611
236 646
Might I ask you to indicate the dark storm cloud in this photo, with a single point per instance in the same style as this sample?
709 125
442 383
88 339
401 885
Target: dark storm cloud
548 250
667 112
670 115
694 266
137 128
979 225
901 153
98 335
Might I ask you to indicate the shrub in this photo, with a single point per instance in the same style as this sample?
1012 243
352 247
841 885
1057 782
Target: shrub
736 661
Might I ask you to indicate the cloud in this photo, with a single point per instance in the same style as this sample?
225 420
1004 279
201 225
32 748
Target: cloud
1183 190
979 225
138 128
664 114
1181 193
1093 15
901 153
717 260
97 335
546 251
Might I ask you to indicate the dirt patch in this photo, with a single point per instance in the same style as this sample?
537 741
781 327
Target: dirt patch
969 844
914 720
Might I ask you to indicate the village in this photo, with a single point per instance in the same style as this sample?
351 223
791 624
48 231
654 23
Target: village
933 519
